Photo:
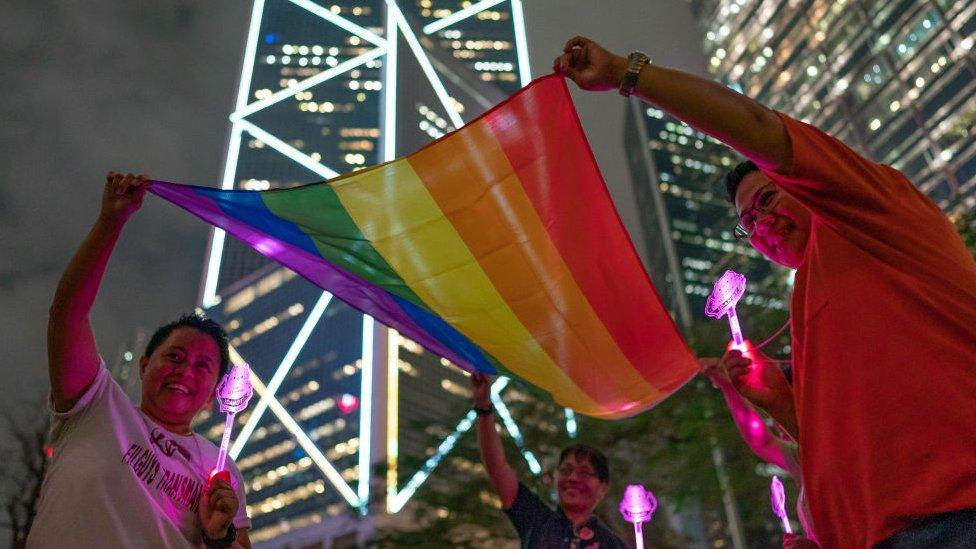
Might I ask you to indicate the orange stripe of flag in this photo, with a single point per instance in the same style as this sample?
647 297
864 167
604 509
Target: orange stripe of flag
568 193
403 222
476 187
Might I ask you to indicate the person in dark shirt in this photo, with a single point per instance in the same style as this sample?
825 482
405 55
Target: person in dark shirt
582 479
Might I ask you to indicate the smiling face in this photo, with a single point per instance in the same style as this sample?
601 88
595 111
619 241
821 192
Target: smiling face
578 485
779 225
178 379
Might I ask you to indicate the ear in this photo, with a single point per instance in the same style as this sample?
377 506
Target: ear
143 363
601 490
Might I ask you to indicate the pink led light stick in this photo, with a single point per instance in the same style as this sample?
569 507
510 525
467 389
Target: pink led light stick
725 294
778 498
637 506
233 393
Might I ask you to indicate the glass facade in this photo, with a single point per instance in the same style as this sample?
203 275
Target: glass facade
686 218
893 79
327 88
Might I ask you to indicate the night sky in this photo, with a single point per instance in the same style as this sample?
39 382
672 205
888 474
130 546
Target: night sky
146 87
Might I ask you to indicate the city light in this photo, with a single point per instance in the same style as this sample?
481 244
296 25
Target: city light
304 68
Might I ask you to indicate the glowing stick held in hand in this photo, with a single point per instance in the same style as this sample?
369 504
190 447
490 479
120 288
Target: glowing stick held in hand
778 498
637 506
725 294
233 393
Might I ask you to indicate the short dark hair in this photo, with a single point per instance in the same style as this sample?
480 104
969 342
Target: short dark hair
197 322
594 456
738 173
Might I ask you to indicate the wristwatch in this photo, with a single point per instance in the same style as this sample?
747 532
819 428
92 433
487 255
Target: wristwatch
223 542
635 62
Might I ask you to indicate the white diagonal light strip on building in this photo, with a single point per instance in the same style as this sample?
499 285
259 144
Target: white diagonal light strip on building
286 149
365 413
306 443
521 43
401 497
342 22
459 15
279 376
209 294
570 422
290 91
418 51
510 425
397 499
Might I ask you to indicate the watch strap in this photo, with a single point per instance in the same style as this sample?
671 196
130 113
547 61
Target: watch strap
635 62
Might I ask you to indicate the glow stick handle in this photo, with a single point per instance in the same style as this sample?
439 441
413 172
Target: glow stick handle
639 534
734 326
225 441
778 498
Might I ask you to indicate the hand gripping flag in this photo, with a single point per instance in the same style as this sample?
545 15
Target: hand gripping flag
496 247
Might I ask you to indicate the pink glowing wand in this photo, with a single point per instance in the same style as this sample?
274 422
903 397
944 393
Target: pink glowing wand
778 498
637 506
233 393
725 294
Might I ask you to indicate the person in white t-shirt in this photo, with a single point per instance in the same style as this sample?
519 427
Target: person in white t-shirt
122 475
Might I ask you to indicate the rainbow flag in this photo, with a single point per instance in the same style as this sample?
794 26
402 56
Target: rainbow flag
496 247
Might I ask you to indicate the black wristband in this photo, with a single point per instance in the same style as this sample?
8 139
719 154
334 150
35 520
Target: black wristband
483 411
223 542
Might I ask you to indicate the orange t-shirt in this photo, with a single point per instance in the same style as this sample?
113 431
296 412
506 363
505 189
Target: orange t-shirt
884 347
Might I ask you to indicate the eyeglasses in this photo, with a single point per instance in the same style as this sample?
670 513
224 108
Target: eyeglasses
761 204
582 472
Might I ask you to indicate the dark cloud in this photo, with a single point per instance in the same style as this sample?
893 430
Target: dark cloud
93 86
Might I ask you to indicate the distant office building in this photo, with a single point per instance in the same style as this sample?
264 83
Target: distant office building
895 80
677 174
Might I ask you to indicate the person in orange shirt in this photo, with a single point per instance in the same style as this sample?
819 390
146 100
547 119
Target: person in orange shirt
883 313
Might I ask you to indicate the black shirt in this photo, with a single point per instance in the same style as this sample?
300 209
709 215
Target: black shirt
540 527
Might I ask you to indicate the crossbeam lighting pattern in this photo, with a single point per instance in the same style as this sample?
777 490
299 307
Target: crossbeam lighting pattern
401 497
459 15
280 373
385 47
309 82
341 22
425 65
303 439
511 426
284 148
309 446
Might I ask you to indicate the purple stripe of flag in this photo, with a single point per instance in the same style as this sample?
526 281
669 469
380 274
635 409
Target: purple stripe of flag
355 291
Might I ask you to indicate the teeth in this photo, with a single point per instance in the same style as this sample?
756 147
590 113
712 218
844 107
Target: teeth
178 387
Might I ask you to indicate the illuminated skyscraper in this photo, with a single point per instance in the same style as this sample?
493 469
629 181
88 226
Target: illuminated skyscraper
685 216
327 88
895 80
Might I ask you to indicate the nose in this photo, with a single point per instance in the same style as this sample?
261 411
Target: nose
763 223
